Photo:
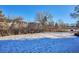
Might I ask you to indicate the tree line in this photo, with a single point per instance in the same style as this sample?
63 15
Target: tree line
44 22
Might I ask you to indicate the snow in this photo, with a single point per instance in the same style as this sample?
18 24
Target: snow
38 35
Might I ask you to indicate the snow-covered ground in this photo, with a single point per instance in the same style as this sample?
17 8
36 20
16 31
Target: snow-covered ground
38 35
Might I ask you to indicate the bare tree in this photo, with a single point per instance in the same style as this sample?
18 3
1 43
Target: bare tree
43 18
77 24
61 23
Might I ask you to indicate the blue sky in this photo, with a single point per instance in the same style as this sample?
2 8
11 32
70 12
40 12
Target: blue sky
29 11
